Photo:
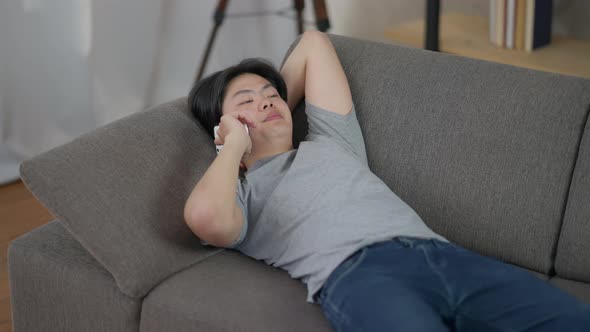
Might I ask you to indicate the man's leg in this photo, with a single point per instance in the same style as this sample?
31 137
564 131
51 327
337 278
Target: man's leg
363 294
490 295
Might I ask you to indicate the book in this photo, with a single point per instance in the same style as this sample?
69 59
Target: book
542 24
520 24
528 29
492 22
502 22
510 9
499 22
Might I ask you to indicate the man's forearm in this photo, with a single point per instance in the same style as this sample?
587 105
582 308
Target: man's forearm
214 196
293 71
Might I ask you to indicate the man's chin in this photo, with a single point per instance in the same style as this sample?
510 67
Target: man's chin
272 133
276 125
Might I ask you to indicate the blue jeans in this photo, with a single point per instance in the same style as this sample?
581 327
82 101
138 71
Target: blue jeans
411 284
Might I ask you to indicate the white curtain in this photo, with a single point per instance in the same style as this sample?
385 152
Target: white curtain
68 67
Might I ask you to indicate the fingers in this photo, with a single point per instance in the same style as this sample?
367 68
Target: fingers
245 120
228 123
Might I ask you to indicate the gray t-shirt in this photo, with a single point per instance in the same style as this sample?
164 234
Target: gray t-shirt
308 209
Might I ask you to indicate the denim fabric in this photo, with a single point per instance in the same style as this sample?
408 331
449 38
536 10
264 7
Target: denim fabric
412 284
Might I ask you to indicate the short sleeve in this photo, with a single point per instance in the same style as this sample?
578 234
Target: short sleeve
242 235
242 206
343 129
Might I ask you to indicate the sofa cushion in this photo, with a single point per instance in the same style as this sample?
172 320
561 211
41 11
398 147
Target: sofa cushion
579 289
231 292
482 151
572 260
56 285
121 191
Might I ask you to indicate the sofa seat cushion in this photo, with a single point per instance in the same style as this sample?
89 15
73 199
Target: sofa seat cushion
231 292
578 289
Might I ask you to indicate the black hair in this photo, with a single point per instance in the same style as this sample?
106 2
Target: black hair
205 99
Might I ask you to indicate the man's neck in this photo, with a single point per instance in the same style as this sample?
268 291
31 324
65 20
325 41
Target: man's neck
259 155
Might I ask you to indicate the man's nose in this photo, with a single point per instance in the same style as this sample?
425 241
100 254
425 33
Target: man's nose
266 104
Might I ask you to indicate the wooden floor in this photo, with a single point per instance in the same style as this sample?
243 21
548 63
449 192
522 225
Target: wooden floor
20 212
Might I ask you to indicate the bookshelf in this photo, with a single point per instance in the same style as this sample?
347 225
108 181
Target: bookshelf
469 36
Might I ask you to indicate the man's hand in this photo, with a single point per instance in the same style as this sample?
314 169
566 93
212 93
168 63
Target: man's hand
231 131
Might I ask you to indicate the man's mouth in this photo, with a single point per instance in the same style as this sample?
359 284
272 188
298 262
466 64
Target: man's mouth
272 116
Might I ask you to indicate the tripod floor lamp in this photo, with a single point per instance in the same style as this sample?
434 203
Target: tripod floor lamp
321 15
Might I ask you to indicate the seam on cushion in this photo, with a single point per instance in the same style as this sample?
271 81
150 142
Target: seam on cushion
203 258
104 271
563 224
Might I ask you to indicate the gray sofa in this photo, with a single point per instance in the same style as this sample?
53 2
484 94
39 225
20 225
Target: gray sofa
493 157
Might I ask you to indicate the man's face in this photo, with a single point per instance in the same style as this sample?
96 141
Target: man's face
255 98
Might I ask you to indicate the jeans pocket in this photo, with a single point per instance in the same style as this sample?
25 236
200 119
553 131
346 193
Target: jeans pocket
342 270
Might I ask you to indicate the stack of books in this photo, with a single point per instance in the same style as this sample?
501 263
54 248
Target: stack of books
520 24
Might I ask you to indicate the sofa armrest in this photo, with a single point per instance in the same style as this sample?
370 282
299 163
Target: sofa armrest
56 285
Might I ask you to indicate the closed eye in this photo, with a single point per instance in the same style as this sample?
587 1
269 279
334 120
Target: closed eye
250 100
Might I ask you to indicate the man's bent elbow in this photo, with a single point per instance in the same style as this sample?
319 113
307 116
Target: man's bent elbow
199 220
209 226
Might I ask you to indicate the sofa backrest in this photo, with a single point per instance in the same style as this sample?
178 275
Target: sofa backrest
573 260
484 152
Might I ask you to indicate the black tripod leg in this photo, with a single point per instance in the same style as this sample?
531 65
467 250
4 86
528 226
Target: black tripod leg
321 15
299 5
218 18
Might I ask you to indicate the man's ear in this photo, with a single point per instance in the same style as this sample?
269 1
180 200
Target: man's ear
242 165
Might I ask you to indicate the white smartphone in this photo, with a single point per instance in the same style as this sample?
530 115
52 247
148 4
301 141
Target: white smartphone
219 146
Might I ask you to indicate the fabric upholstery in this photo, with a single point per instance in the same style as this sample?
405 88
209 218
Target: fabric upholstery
482 151
56 285
231 292
538 275
572 260
121 191
581 290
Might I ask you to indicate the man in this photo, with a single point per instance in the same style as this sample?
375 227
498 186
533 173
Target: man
320 213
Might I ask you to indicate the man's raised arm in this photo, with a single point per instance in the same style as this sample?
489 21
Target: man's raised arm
313 70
